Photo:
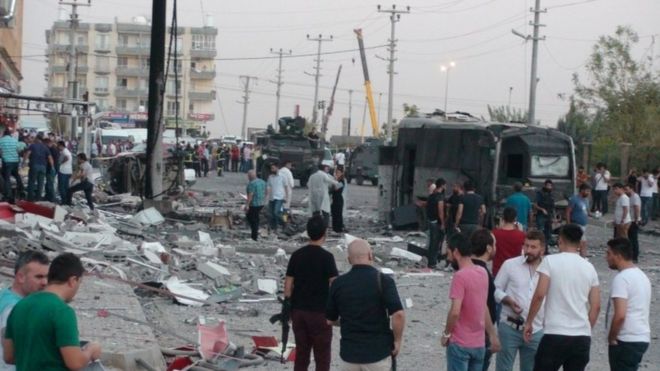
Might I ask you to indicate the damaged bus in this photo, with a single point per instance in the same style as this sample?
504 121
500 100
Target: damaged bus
492 155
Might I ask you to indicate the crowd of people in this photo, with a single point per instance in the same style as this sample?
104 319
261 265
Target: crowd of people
543 305
50 164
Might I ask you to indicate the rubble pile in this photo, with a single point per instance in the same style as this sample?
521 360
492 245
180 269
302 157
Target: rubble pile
196 254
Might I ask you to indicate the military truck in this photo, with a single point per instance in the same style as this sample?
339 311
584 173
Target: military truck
363 163
492 155
288 144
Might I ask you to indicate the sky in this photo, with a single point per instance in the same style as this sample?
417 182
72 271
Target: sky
491 63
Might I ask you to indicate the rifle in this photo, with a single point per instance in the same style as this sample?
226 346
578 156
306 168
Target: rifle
283 317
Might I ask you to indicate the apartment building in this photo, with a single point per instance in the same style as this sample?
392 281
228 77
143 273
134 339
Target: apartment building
113 68
11 49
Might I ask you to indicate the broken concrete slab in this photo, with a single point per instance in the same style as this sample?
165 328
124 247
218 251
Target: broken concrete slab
179 288
213 270
400 253
149 216
267 286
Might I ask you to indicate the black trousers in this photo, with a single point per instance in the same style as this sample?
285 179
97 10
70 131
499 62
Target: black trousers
337 210
84 186
253 220
626 356
205 166
633 236
600 201
436 235
555 351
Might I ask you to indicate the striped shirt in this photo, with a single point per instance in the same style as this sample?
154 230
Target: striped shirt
8 146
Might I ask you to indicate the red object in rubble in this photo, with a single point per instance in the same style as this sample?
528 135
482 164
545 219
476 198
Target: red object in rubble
6 211
31 207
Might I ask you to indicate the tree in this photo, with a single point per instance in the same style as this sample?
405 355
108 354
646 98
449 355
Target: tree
506 114
621 95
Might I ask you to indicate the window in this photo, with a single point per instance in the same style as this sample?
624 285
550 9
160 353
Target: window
209 42
144 41
101 104
102 41
550 166
63 38
144 63
514 167
101 84
191 108
82 84
203 42
171 87
172 108
143 84
122 40
121 104
122 61
102 63
122 82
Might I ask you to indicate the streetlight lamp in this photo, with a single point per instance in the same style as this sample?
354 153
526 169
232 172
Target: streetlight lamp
447 68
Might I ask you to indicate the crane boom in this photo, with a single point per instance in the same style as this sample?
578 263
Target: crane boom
367 84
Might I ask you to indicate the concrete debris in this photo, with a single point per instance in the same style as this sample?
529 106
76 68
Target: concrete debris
149 216
213 270
186 292
267 286
400 253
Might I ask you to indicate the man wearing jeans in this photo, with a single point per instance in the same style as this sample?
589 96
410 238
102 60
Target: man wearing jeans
10 159
468 319
39 157
276 192
629 332
65 170
515 283
569 285
256 199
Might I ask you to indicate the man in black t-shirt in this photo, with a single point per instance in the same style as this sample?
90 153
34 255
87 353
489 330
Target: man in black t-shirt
366 305
435 214
310 271
470 211
451 206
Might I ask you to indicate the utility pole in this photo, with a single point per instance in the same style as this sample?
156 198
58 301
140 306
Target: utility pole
246 100
154 171
279 82
350 109
395 16
509 101
320 39
531 120
72 86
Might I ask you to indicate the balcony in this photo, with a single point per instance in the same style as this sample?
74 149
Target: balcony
102 69
103 48
198 95
82 69
204 54
132 50
132 71
122 92
99 90
56 91
202 74
58 68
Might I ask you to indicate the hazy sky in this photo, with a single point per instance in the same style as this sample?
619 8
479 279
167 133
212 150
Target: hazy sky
475 34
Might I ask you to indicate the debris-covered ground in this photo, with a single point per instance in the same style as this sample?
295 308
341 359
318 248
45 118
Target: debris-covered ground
199 249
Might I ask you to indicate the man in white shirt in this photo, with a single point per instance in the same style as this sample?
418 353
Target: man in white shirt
647 183
629 333
636 216
601 186
340 159
514 286
622 217
285 172
275 194
569 285
86 183
66 170
319 185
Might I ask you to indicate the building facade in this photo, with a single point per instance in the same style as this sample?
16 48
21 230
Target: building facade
11 49
113 69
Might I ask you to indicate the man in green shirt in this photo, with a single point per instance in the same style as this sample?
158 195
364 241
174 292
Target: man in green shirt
42 330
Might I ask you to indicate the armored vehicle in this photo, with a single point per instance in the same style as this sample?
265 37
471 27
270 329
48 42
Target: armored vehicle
363 163
492 155
289 144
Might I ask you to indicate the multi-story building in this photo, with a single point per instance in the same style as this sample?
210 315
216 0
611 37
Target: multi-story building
113 68
11 48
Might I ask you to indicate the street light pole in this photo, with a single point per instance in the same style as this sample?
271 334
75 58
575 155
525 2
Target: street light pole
447 69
